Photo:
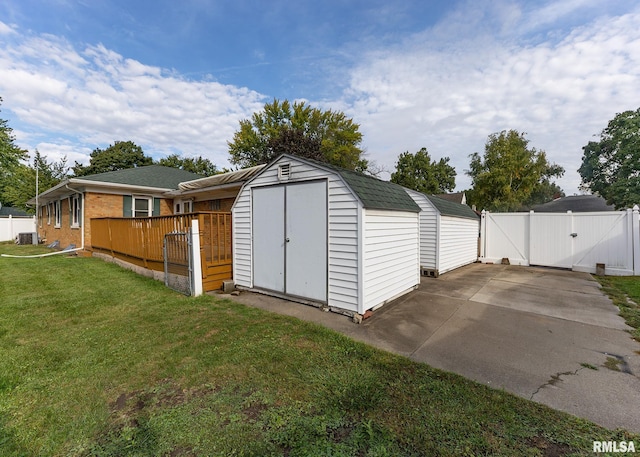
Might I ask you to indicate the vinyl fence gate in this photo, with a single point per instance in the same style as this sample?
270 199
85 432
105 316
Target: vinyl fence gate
578 241
178 262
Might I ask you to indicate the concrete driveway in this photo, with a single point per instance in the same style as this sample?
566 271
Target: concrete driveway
544 334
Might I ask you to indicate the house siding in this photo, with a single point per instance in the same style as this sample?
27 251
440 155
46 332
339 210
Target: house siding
342 261
391 255
458 244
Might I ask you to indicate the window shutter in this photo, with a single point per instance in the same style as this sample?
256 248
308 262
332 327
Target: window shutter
69 202
126 205
156 207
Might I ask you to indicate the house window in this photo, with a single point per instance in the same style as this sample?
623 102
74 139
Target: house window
142 206
183 207
215 205
76 213
57 213
49 211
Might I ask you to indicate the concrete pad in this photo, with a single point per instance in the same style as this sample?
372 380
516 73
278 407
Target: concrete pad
550 278
588 308
609 396
404 327
461 283
530 331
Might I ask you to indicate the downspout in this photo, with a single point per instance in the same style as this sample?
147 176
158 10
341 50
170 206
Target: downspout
83 226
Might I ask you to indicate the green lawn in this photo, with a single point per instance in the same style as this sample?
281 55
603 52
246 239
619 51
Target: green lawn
98 361
624 291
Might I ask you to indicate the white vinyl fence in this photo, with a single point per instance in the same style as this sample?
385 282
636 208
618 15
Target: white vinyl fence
10 226
579 241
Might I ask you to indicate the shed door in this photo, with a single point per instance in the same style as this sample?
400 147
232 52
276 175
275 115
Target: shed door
306 236
290 239
268 238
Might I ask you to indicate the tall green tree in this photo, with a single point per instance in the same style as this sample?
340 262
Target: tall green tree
21 183
509 173
118 156
611 167
261 138
198 165
418 172
11 156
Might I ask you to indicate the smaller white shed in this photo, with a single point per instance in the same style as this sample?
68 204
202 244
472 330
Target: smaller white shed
449 234
321 234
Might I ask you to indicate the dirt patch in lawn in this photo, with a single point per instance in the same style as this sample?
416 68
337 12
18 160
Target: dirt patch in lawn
548 448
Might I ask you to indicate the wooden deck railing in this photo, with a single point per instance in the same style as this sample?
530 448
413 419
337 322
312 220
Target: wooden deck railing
139 241
138 237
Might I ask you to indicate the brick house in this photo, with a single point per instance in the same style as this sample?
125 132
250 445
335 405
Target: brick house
64 212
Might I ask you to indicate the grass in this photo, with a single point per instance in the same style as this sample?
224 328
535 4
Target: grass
624 291
98 361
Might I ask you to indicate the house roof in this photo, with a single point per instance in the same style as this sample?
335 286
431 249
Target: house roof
456 197
156 176
372 192
151 178
449 208
9 211
574 203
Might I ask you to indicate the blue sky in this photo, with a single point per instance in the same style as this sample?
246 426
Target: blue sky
179 76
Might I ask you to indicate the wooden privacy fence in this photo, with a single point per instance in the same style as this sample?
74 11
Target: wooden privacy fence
139 240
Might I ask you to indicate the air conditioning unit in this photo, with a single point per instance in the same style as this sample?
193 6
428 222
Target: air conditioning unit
28 238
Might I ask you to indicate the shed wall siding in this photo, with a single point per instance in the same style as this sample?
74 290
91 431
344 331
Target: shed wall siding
458 242
428 230
391 255
342 261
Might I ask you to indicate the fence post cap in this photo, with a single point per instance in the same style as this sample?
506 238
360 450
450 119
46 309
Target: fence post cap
635 208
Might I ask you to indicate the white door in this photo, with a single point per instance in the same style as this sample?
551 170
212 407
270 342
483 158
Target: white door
290 239
306 240
268 238
551 240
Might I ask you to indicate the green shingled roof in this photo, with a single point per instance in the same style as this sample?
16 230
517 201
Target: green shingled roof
377 194
372 192
9 211
149 176
448 208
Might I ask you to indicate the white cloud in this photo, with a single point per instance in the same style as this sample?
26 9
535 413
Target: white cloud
6 29
97 96
485 67
447 92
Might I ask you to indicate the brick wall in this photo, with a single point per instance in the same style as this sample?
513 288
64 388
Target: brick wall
95 205
65 234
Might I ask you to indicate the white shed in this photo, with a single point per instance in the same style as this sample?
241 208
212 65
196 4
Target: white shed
321 234
449 234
